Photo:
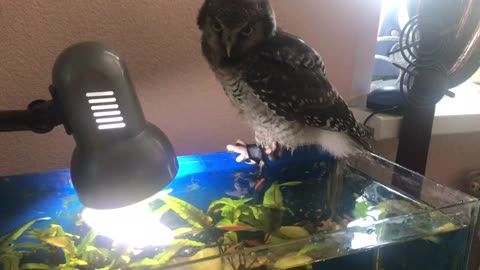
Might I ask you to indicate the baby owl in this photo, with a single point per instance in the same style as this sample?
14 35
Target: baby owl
276 81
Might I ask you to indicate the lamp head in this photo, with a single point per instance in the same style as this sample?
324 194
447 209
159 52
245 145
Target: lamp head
120 158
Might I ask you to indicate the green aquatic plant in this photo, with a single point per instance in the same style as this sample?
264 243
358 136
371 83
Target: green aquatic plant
10 251
60 246
167 254
222 224
188 212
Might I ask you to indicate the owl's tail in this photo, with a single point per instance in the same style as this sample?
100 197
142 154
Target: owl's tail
361 135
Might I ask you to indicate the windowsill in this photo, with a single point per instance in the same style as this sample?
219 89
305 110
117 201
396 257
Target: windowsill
452 115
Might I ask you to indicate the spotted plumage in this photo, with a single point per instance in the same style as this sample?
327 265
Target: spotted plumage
276 81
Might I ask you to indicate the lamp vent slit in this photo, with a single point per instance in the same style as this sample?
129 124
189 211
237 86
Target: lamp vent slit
106 111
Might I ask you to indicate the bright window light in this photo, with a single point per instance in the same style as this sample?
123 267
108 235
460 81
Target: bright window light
400 6
467 98
134 225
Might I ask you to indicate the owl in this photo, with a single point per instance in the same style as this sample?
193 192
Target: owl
276 81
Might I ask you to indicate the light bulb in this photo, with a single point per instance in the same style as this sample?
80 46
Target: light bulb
134 225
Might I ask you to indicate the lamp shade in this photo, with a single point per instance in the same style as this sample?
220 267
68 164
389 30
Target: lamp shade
120 158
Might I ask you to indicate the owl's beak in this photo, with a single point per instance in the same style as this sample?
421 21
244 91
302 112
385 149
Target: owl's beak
228 48
229 40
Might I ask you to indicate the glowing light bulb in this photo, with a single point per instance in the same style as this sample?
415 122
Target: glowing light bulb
134 225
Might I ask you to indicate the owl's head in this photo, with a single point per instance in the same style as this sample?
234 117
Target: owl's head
231 28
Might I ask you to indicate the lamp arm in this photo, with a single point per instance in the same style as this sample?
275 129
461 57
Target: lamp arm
41 116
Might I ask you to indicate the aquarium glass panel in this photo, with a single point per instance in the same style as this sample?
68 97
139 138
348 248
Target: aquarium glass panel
304 211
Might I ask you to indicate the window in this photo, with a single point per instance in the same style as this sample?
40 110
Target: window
453 115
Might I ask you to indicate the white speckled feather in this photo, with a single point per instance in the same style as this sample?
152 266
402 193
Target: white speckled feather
270 128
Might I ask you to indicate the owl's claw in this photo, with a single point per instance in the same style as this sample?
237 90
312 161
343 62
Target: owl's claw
241 148
254 154
249 153
274 151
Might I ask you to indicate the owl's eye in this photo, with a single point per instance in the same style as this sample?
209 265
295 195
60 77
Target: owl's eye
217 27
247 31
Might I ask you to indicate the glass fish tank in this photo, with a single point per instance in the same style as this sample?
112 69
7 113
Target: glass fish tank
304 211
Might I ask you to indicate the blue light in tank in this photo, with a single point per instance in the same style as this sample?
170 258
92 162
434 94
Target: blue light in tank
222 161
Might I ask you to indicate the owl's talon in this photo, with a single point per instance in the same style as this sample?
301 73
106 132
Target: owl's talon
249 153
241 150
274 152
250 162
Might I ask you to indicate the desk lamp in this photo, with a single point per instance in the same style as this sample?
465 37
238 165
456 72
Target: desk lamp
120 159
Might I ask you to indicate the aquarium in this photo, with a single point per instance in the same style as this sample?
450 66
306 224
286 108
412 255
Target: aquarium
305 211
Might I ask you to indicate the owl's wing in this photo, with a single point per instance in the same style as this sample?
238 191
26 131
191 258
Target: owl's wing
290 77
